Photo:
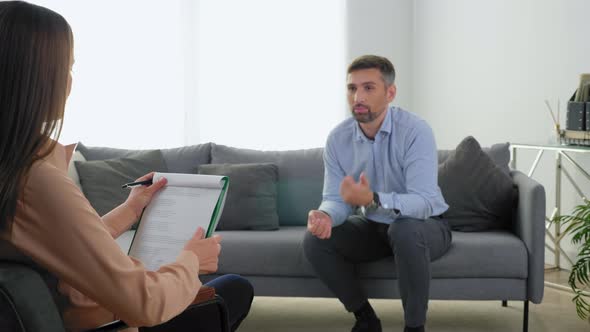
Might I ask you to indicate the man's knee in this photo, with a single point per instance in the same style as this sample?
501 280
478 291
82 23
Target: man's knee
405 235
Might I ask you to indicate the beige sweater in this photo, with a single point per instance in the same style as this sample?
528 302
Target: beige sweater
57 227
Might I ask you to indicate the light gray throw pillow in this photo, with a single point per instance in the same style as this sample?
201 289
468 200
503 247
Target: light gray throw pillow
101 180
480 195
251 202
72 172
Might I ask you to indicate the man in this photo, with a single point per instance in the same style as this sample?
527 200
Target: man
380 198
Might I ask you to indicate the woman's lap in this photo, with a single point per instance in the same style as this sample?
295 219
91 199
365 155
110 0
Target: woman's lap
237 294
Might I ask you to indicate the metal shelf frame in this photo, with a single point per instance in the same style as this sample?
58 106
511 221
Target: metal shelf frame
562 152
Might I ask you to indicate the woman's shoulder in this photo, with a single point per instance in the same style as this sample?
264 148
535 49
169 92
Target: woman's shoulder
48 180
45 175
52 166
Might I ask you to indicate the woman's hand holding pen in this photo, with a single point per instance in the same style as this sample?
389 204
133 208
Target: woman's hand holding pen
207 249
140 196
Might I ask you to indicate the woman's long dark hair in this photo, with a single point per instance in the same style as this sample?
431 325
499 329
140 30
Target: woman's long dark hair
35 61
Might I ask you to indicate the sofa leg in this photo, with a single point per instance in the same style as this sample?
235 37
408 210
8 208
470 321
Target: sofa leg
504 303
525 322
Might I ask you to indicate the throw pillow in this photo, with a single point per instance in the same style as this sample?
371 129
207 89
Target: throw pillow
301 177
480 195
251 202
499 153
178 160
101 180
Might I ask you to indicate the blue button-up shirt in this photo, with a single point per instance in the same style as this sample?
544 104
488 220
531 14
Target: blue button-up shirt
401 165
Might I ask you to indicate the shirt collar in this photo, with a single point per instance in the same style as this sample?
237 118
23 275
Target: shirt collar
385 126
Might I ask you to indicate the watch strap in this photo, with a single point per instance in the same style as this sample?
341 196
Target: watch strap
376 199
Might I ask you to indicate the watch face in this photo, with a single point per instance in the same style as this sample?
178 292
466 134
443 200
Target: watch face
363 210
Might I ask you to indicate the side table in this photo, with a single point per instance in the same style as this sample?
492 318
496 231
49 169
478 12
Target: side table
561 152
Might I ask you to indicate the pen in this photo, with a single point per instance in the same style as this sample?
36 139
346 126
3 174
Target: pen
139 183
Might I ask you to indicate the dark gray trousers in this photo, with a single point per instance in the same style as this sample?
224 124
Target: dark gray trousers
413 243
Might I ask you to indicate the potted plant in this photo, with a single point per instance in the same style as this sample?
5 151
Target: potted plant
578 226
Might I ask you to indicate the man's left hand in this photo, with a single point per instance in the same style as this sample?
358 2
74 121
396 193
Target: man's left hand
356 193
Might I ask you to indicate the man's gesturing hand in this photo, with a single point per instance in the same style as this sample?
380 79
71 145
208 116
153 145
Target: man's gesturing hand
319 224
356 193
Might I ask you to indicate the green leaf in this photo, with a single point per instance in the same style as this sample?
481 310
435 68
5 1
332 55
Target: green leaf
578 226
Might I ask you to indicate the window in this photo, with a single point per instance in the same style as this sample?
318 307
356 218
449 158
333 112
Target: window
271 74
257 74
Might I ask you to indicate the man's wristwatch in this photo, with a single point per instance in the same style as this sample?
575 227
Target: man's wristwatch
372 206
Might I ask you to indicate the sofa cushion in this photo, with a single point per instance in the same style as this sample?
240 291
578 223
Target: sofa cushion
493 254
251 201
178 160
479 194
301 177
101 180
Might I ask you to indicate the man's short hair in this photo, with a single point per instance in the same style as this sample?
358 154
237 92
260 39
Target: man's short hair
377 62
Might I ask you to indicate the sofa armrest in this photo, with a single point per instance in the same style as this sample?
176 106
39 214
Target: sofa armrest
29 297
529 225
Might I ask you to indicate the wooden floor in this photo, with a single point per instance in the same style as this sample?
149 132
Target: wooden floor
558 279
556 313
555 276
289 314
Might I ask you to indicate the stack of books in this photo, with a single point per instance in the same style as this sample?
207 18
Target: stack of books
577 129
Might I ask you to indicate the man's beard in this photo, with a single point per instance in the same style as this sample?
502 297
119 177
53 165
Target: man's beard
366 117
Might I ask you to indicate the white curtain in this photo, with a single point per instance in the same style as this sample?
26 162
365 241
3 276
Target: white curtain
255 74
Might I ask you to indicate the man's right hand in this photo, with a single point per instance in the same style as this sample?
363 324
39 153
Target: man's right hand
319 224
207 249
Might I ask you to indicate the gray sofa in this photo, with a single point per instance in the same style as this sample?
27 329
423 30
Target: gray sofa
491 265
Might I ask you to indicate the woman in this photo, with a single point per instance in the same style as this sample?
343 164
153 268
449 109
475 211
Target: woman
46 218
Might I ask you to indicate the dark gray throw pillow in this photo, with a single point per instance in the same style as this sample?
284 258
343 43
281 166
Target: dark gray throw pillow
101 180
480 195
251 202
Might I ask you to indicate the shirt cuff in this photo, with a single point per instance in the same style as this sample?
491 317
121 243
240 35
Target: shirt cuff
335 211
389 204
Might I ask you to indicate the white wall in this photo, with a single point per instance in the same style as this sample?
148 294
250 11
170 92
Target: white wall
384 27
484 68
489 65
